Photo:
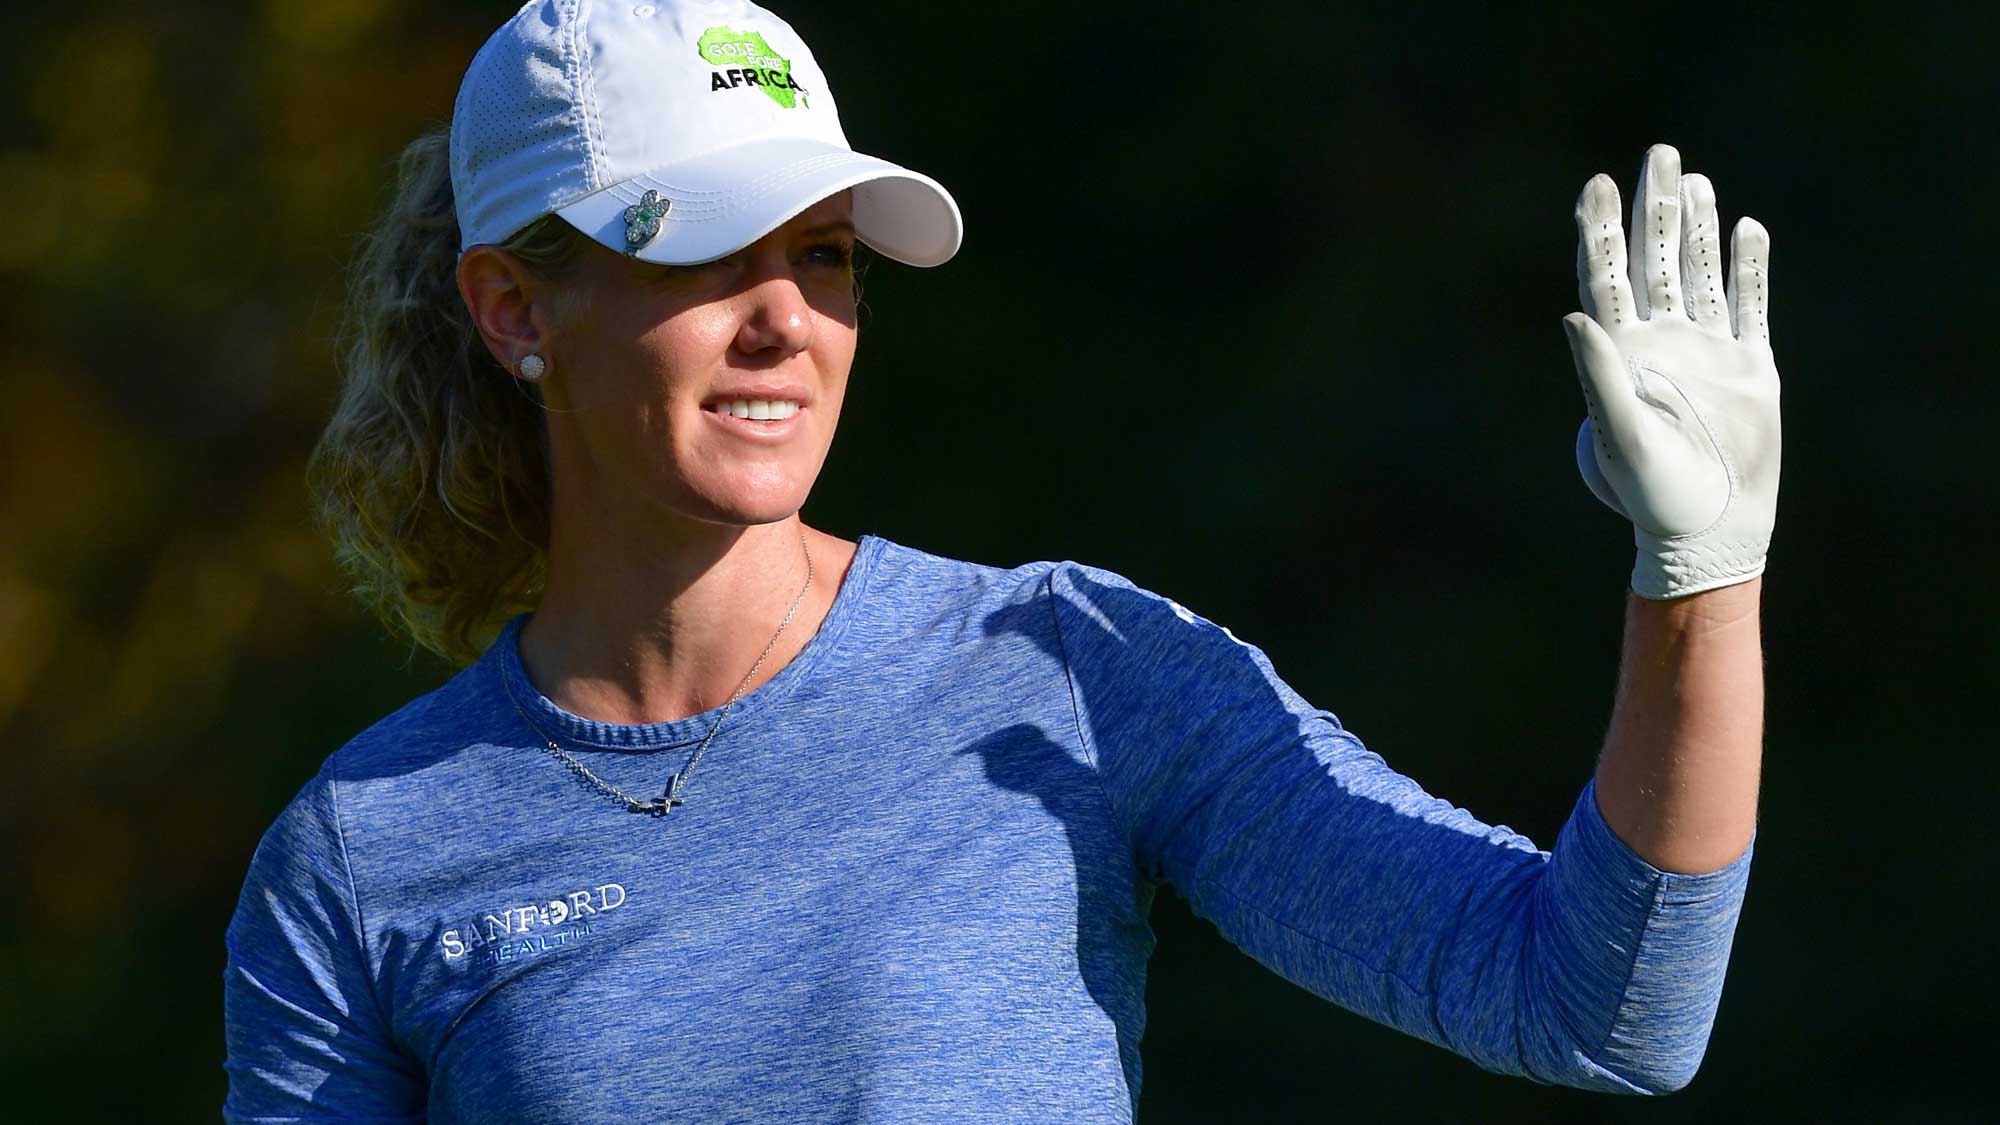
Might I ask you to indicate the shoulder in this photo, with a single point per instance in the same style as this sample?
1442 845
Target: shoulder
1086 609
1104 607
419 755
931 584
909 573
914 590
905 572
417 734
390 789
431 727
925 608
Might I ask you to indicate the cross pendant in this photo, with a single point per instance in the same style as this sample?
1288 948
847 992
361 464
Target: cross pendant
660 806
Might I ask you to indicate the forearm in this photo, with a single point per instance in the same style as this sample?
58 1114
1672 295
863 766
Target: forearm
1678 777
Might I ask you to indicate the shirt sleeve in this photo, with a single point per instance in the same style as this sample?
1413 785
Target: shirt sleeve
305 1034
1585 966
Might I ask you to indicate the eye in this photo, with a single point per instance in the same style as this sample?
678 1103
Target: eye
838 255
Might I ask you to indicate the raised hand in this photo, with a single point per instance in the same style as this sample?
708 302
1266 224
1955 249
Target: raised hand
1674 353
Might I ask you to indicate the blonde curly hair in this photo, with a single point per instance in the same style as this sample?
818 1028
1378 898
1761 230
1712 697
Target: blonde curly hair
432 477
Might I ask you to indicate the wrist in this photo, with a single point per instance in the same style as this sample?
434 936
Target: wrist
1710 610
1667 569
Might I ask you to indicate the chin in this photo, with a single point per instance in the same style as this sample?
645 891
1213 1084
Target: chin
748 507
724 486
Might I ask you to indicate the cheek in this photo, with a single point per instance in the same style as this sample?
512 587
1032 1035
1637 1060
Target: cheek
834 343
675 359
838 354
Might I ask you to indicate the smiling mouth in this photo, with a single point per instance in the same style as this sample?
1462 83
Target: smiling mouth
754 410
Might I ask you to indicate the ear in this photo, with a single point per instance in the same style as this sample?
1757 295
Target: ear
512 316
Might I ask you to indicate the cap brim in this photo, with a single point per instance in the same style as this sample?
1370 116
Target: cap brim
725 200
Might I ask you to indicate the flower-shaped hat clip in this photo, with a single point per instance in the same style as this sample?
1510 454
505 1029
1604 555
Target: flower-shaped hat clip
642 220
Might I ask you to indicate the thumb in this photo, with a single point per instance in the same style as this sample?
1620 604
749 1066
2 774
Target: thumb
1607 387
1593 473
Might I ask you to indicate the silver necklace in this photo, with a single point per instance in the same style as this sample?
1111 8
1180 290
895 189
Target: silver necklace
661 805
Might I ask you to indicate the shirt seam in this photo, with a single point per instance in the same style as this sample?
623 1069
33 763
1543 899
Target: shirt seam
1424 994
1631 970
1656 899
1082 738
354 898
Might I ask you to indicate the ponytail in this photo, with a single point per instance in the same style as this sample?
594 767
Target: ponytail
432 477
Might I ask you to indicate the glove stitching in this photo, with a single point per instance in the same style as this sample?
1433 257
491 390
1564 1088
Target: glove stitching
1729 470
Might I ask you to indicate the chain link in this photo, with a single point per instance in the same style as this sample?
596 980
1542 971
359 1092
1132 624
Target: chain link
660 806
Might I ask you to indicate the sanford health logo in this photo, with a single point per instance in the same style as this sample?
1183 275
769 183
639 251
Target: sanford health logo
534 928
750 62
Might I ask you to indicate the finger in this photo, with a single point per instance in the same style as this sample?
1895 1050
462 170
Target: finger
1749 271
1701 254
1607 388
1656 234
1600 253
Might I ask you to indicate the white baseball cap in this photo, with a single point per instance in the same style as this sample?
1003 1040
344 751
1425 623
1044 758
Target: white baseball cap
676 132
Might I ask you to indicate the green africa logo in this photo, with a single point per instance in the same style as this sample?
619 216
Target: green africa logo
751 62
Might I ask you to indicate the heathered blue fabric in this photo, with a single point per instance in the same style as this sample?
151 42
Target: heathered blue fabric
911 884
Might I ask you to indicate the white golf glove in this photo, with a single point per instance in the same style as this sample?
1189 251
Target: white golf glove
1682 437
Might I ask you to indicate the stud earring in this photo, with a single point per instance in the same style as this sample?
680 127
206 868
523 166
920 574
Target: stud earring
532 367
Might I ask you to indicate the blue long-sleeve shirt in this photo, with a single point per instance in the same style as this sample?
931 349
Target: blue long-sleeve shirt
910 882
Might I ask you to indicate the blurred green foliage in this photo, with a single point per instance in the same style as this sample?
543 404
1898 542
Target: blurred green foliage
1260 310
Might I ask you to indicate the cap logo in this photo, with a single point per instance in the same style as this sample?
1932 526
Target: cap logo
642 219
750 62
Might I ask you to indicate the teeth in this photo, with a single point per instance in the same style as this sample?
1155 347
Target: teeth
763 410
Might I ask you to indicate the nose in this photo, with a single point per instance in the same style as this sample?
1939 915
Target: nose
776 317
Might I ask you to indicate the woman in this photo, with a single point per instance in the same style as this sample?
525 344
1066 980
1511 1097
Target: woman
602 339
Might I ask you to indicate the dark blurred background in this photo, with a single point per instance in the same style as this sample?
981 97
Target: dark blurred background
1258 306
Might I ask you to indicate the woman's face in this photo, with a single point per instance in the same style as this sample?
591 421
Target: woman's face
646 374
